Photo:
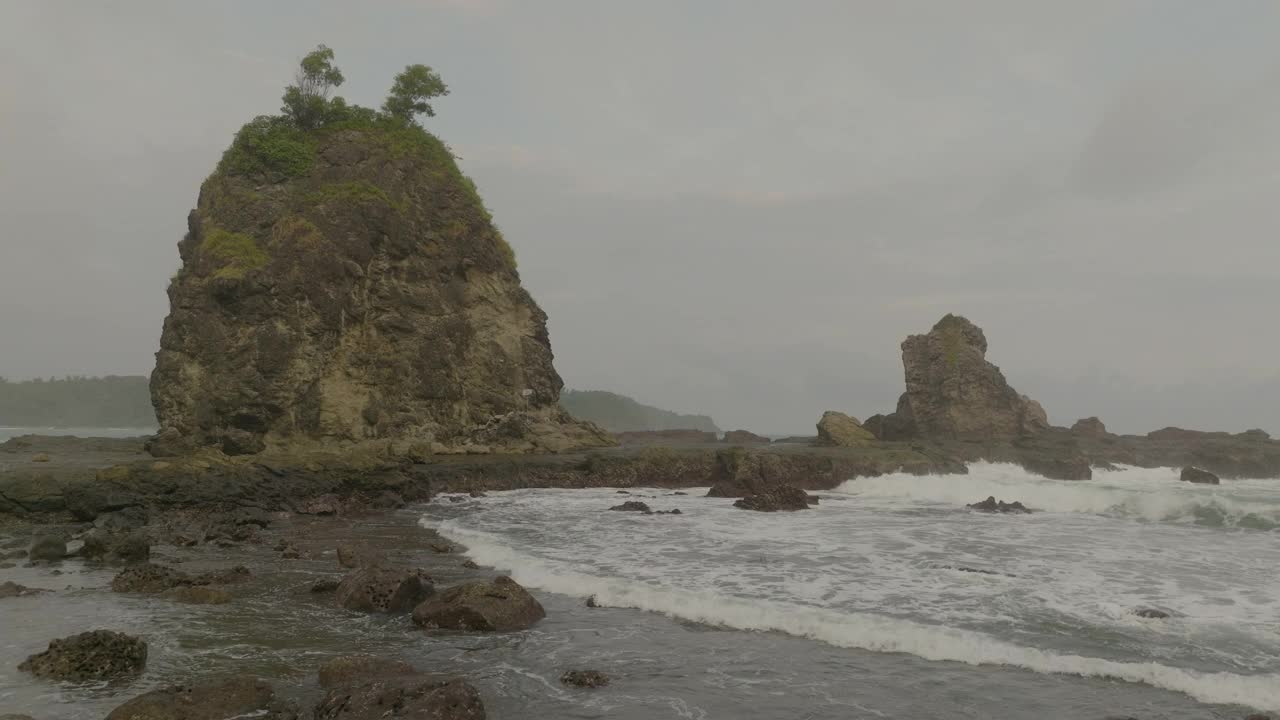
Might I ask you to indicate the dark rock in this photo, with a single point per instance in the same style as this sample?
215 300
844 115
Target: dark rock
403 696
250 516
739 472
633 506
323 505
1198 476
291 553
325 586
678 492
1059 468
502 606
1151 613
383 589
991 505
591 602
743 437
812 499
95 655
11 589
236 697
1090 427
441 548
675 511
153 579
836 429
344 670
126 547
621 492
48 548
471 565
477 494
782 498
585 678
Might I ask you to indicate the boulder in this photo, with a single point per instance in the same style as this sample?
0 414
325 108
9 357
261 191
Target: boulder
95 655
48 548
150 578
498 606
1198 476
744 437
585 678
991 505
1089 427
383 589
1072 467
836 429
375 224
739 472
633 506
125 547
240 696
345 670
781 498
403 696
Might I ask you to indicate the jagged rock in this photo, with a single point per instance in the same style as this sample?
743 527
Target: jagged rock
1151 613
325 586
739 472
953 393
402 696
127 547
781 498
201 595
744 437
1090 427
1198 476
152 578
240 696
633 506
501 606
470 565
1073 467
991 505
360 292
95 655
585 678
343 670
383 589
836 429
11 589
48 548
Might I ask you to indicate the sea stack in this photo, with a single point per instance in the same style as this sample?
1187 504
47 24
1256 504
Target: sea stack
346 284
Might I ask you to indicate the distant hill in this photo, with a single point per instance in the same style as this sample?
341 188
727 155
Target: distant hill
112 401
618 413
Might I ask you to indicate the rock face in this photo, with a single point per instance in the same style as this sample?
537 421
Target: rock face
96 655
953 393
839 430
383 589
1089 427
502 606
781 498
355 290
240 696
1198 476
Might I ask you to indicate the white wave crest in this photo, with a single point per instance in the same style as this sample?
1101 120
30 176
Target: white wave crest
863 631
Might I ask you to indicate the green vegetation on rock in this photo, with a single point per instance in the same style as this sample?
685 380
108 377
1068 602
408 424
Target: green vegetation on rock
239 251
354 192
618 413
269 144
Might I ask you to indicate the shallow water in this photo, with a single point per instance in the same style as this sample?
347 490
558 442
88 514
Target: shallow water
849 610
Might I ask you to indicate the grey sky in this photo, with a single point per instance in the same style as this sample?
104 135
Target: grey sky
730 207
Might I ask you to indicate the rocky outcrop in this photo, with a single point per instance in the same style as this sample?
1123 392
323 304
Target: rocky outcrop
402 696
584 678
1089 427
1198 476
151 578
96 655
501 606
383 589
633 506
359 291
125 547
743 437
739 472
1069 467
991 505
954 393
240 696
781 498
836 429
9 589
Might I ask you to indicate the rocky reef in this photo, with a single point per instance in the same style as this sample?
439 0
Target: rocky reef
346 284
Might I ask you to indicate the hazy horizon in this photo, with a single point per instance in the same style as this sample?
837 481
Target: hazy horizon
725 210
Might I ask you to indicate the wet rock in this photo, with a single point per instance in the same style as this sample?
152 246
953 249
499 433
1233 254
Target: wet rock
124 520
678 492
781 498
633 506
95 655
201 595
836 429
126 547
477 494
991 505
621 492
585 678
502 606
471 565
236 697
383 589
812 499
323 505
592 602
1198 476
12 589
325 586
743 437
344 670
1074 467
1151 613
675 511
48 548
150 578
1089 427
421 696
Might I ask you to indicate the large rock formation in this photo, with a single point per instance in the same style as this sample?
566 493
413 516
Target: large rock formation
347 284
954 393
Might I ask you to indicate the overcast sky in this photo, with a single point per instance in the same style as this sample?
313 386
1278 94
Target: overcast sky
728 207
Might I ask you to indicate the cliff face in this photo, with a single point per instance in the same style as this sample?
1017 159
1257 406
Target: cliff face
349 285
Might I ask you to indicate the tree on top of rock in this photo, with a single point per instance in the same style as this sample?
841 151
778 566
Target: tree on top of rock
306 102
411 91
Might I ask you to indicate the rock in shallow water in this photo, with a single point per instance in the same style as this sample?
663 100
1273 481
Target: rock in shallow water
48 548
236 697
781 498
383 589
585 678
991 505
502 606
422 697
632 506
95 655
344 670
123 547
1198 476
1151 613
12 589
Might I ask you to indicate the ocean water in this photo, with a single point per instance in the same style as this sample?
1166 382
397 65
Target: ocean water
891 599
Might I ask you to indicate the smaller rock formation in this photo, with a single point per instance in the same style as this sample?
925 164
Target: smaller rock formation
633 506
402 696
739 472
152 578
48 548
123 547
1198 476
585 678
991 505
1151 613
498 606
351 668
1089 427
11 589
383 589
743 437
781 498
95 655
239 696
836 429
